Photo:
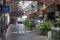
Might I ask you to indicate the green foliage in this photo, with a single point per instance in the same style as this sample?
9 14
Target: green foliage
27 22
57 23
57 20
45 26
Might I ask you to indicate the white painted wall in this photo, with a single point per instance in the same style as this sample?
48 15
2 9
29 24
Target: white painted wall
8 17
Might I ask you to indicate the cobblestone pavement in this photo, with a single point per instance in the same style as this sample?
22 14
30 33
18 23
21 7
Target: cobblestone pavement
18 32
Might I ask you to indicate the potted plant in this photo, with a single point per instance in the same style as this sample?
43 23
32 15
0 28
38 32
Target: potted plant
44 27
57 22
27 22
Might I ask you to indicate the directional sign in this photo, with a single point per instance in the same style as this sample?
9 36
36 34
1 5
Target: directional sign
5 8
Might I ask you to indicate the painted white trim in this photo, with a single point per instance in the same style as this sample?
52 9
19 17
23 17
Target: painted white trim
8 17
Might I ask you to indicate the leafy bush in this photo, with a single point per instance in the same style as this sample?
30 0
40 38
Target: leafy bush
27 22
45 26
57 22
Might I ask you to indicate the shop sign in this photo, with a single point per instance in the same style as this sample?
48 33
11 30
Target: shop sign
57 13
5 8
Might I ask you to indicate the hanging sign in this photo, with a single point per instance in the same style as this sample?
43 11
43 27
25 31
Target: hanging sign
5 8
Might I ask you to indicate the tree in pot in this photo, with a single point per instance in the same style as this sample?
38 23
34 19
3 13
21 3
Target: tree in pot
27 22
44 27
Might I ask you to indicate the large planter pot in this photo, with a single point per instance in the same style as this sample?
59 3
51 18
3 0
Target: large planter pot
55 34
49 34
46 33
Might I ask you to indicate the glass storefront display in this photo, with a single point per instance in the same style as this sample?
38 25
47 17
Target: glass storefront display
56 29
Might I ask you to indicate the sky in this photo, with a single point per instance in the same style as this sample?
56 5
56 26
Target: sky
25 4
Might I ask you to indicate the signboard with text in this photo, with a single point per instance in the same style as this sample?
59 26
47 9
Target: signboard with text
5 8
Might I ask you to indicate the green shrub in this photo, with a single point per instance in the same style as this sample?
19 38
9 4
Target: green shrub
27 22
45 26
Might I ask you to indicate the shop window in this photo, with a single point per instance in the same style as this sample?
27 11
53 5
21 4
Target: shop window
51 16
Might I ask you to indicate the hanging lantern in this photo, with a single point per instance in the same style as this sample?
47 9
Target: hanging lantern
41 11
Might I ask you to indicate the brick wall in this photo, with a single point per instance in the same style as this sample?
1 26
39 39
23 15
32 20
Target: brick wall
57 2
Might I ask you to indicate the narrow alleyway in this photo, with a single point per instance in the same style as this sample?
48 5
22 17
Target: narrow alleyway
18 32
